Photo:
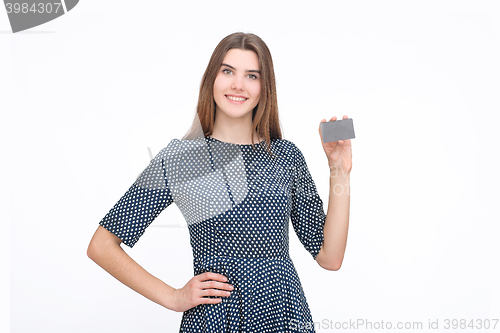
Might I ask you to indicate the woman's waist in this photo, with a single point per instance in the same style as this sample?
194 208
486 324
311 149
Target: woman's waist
236 251
211 258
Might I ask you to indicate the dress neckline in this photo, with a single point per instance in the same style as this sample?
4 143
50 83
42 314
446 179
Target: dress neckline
234 144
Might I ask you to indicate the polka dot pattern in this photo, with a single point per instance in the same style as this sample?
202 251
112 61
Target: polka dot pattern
237 202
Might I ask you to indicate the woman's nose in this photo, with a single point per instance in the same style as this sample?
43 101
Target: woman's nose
238 83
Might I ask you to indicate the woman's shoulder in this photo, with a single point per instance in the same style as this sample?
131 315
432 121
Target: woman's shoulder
287 150
289 147
180 144
286 144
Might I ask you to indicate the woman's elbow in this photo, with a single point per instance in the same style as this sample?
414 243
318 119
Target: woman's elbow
100 242
332 266
92 250
336 266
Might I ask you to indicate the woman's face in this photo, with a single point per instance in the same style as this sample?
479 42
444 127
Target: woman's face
237 85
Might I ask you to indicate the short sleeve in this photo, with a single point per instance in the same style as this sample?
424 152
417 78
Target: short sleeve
307 214
148 196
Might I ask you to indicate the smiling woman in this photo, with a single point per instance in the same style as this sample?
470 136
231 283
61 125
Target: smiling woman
236 88
237 198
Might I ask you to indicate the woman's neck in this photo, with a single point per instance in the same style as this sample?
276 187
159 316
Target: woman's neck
236 132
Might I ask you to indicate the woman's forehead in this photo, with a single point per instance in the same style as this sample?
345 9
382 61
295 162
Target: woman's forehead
241 59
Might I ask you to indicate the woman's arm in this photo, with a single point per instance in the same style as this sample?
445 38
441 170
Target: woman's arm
332 251
339 154
105 250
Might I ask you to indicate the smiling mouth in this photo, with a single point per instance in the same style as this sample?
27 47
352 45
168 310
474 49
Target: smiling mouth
236 99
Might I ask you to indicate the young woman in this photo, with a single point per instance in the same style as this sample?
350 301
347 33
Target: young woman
237 198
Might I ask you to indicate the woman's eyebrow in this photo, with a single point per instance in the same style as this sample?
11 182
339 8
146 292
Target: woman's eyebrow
248 70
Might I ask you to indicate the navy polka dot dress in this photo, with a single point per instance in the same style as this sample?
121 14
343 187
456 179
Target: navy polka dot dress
237 201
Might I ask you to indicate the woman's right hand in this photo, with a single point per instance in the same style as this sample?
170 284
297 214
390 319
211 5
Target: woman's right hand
192 294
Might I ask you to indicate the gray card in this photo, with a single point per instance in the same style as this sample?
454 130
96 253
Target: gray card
337 130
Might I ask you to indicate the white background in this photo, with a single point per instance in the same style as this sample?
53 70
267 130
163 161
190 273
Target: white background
84 96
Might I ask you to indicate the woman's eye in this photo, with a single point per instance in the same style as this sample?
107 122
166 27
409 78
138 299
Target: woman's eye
226 71
253 77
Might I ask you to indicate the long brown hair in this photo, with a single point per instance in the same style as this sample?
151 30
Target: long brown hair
265 118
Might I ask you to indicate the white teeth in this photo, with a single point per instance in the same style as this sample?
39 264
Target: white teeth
238 99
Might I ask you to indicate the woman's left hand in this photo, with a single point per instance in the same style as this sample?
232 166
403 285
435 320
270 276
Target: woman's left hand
339 153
